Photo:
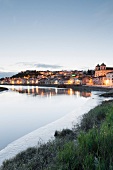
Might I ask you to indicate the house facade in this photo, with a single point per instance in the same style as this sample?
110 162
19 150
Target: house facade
87 80
101 80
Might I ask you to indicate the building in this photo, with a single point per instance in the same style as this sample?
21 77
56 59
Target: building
101 80
109 78
102 70
87 80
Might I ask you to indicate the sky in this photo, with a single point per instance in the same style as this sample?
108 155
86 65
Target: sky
55 34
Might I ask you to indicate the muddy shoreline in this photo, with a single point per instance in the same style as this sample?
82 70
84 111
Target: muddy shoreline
3 89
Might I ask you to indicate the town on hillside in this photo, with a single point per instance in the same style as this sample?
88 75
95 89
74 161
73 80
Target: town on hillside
101 76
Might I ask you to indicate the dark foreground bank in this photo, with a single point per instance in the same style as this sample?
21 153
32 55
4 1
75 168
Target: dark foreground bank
88 146
3 89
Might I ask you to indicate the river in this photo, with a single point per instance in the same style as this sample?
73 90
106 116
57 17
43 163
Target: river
31 113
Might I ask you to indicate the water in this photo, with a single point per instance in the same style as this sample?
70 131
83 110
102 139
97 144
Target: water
38 112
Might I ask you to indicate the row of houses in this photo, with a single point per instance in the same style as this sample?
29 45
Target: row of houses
66 80
106 80
102 75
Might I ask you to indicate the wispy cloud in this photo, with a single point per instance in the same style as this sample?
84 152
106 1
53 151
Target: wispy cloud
47 66
39 65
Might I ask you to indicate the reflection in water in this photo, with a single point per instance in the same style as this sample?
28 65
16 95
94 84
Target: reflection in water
50 91
85 94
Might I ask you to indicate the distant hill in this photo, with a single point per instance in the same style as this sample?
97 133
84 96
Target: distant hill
6 74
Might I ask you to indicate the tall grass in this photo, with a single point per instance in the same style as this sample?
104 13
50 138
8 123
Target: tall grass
88 146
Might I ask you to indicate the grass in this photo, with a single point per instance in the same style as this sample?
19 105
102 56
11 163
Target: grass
88 146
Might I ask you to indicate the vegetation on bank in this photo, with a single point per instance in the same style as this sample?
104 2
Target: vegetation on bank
88 146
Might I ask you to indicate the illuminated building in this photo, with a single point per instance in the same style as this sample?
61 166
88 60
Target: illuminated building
109 78
102 70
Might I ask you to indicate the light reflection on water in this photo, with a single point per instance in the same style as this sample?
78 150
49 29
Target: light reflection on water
26 108
49 91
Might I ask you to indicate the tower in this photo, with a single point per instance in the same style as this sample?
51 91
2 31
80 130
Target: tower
102 66
97 67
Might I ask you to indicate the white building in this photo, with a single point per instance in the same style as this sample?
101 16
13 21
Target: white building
109 79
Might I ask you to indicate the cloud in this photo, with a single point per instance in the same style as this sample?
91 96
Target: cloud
24 64
39 65
47 66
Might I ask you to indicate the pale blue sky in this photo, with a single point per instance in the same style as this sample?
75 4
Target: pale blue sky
74 34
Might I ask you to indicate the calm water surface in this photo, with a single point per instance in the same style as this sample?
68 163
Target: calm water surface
26 108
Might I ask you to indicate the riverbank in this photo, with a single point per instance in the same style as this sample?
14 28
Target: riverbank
3 89
74 87
107 94
89 88
87 146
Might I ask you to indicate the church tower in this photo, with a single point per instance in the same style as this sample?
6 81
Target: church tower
102 66
97 67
